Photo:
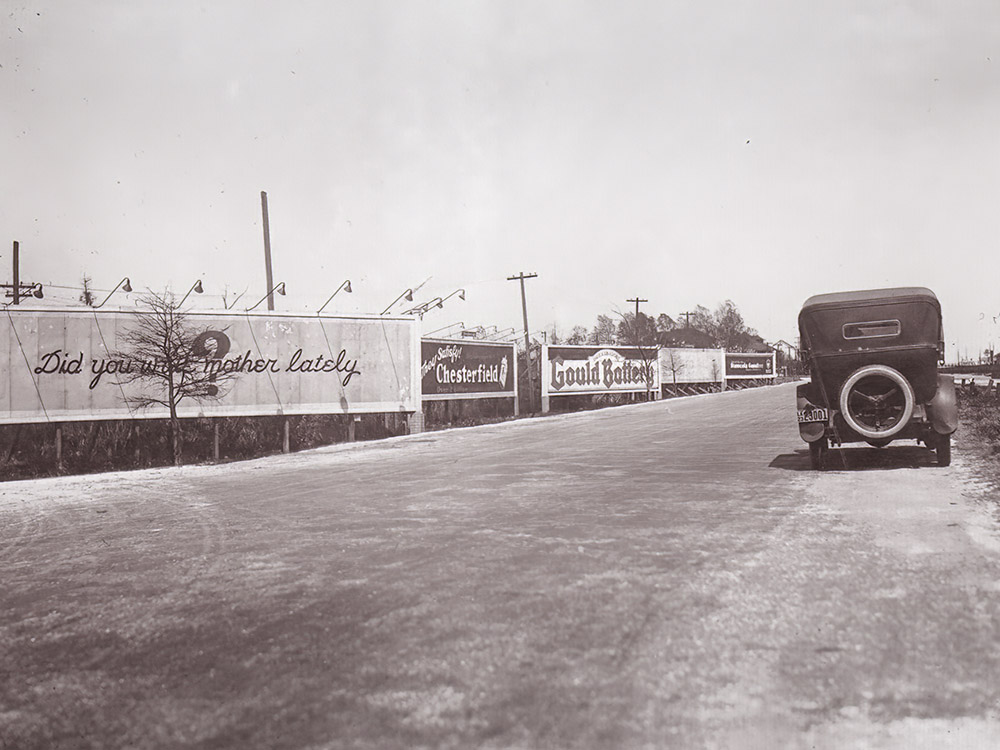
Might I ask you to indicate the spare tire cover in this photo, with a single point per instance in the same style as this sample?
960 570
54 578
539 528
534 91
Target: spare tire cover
876 401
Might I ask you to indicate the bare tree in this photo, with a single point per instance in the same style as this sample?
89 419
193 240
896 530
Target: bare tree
639 331
730 330
171 360
700 319
86 295
605 332
665 323
674 364
577 336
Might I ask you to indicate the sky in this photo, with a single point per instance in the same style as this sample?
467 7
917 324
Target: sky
685 153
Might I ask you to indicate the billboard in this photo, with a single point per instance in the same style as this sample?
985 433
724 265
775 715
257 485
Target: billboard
65 365
598 369
680 365
750 365
451 369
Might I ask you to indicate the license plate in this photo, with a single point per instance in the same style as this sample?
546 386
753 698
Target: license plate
814 415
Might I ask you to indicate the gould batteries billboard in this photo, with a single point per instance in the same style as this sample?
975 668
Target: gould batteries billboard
599 369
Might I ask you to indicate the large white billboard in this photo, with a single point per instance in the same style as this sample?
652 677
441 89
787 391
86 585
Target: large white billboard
64 365
682 365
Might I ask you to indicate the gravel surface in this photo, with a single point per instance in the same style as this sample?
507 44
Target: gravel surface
661 575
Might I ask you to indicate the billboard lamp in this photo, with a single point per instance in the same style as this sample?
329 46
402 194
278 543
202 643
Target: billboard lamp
126 286
280 289
346 286
197 288
408 294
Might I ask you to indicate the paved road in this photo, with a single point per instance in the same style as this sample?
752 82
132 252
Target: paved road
663 575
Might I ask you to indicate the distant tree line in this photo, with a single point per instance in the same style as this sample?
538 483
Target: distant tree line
724 328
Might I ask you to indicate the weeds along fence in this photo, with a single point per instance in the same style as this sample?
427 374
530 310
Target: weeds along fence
30 450
979 411
466 412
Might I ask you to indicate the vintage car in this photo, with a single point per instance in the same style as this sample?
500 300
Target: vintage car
873 358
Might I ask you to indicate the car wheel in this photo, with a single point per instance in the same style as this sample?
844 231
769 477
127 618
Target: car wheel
876 401
817 453
942 447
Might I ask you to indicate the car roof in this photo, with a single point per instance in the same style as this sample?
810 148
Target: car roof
869 296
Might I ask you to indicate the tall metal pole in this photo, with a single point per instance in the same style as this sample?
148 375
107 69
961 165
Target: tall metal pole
17 274
267 251
527 340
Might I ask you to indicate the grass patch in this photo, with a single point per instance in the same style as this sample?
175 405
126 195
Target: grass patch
979 413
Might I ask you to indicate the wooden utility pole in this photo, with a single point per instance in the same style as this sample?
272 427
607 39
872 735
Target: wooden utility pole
18 290
687 319
638 341
527 340
637 300
267 251
17 274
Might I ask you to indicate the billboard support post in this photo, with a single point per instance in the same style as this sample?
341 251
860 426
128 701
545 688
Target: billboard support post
545 383
517 404
59 451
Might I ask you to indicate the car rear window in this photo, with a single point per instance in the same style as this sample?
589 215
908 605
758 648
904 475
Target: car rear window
871 329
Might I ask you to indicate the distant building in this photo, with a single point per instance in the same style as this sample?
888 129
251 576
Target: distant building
750 342
688 337
790 351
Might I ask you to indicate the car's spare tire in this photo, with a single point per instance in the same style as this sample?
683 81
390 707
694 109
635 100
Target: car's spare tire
876 401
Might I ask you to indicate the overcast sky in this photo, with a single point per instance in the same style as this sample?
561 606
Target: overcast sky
682 152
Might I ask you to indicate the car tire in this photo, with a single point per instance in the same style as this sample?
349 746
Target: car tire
942 449
876 371
818 450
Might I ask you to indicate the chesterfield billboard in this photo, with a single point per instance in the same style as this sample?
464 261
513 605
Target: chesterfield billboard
598 370
453 369
64 365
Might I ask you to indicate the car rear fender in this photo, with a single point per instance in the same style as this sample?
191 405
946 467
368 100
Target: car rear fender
943 408
808 431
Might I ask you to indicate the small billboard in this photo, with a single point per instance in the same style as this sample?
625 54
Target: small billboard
454 369
750 365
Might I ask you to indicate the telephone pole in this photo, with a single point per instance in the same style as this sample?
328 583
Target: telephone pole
527 341
637 300
17 289
687 319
